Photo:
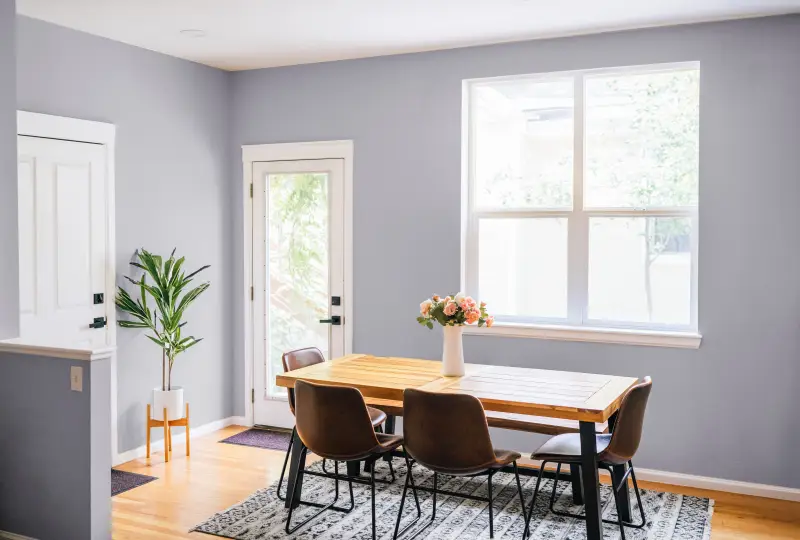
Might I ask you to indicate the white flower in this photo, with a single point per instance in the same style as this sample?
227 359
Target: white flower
425 307
459 298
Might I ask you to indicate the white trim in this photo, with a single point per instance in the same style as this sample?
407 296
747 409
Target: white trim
719 484
344 150
712 484
578 216
73 129
654 338
198 431
20 346
12 536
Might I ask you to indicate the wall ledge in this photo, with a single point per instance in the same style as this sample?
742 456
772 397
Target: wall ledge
56 350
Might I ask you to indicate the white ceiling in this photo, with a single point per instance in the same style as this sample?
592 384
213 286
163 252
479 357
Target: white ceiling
248 34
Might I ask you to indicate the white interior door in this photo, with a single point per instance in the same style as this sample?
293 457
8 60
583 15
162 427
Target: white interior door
62 241
298 271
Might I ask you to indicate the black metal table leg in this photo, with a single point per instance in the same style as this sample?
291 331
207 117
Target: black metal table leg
577 486
295 480
591 481
618 473
353 468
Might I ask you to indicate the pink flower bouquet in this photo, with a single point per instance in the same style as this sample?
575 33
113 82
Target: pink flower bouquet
456 310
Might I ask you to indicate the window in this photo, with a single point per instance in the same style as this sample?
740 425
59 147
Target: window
582 198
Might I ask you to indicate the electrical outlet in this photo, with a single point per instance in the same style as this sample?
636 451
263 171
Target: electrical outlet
76 378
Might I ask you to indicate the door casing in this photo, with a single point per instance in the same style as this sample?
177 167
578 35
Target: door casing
291 152
47 126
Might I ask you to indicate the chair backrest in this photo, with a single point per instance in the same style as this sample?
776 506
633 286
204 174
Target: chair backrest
333 422
297 359
446 433
628 428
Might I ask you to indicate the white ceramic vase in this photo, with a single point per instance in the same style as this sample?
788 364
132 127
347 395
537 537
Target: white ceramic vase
171 399
453 352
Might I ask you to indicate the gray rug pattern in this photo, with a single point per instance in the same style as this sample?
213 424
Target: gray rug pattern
262 516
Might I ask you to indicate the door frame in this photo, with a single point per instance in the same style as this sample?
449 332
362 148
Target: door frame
46 126
291 152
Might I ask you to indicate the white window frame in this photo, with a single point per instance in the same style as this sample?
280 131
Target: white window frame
577 326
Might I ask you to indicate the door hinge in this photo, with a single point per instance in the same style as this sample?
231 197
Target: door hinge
251 191
252 294
253 395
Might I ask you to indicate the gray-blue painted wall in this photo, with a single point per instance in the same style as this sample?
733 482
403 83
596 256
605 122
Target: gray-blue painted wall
172 190
727 410
9 268
55 460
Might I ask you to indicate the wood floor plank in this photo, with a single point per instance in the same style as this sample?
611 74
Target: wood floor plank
216 476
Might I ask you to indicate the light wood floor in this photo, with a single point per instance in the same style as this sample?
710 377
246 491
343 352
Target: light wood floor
216 476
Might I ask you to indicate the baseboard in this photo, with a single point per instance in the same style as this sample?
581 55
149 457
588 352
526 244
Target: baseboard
719 484
197 431
12 536
714 484
239 421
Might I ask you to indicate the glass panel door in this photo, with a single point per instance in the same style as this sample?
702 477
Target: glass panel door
298 269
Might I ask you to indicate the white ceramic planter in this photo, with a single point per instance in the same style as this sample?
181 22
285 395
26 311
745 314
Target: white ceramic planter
171 399
453 352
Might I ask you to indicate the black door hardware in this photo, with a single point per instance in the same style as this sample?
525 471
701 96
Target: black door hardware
335 320
336 300
99 322
98 298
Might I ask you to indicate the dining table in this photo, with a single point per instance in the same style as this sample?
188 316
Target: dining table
587 398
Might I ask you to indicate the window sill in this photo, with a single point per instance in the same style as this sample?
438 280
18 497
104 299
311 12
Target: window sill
651 338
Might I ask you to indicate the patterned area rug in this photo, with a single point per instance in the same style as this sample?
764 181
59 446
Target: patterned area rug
261 438
122 481
263 517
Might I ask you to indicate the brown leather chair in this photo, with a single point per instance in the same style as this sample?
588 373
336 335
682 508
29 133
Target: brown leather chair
614 450
301 358
334 423
448 434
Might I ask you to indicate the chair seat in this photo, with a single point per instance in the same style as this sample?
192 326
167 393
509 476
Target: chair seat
567 448
505 457
388 442
377 417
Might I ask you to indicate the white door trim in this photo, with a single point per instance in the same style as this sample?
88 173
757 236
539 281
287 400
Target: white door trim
72 129
292 152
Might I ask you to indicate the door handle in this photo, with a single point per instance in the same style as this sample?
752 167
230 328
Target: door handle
99 322
335 320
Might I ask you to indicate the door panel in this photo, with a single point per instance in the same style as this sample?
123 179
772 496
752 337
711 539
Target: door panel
298 268
62 233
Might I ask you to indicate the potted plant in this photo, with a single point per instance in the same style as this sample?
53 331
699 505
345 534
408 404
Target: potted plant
453 312
167 285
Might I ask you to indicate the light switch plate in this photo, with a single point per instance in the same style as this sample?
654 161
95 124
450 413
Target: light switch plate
76 378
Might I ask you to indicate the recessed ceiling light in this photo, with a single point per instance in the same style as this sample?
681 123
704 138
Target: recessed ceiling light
193 33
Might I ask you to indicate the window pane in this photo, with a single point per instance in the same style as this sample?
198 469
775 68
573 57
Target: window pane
642 139
523 267
640 270
523 143
298 292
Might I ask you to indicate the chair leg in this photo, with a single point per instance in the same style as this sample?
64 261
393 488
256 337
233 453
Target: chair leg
528 517
372 493
638 497
409 482
555 484
289 529
491 506
286 462
615 491
519 489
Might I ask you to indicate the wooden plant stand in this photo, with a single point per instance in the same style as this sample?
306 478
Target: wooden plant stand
167 425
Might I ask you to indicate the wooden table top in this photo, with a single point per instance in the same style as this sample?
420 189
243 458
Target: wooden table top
541 392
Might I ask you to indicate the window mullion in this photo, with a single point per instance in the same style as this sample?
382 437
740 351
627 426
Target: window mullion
578 249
